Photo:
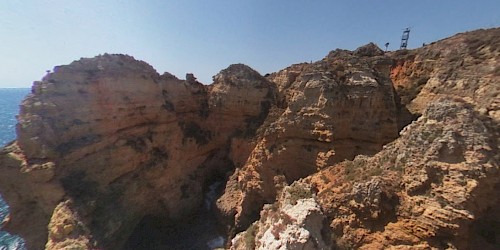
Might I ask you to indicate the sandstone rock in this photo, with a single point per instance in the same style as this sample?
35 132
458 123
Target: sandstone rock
328 111
30 194
242 98
427 189
66 231
106 143
464 65
122 143
369 50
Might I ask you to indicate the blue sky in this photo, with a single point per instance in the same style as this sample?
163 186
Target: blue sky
204 37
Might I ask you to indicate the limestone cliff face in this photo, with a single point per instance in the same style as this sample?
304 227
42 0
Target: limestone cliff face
327 112
434 187
311 153
120 142
465 65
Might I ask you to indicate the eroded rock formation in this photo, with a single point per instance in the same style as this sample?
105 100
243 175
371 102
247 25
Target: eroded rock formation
294 222
105 144
327 112
433 187
120 142
465 65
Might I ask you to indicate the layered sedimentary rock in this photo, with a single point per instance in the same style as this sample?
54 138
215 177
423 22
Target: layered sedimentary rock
106 144
119 142
434 187
328 111
465 65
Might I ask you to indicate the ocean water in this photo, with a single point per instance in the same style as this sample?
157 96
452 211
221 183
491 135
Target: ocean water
9 108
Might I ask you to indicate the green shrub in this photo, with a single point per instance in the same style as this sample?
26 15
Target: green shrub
250 236
298 192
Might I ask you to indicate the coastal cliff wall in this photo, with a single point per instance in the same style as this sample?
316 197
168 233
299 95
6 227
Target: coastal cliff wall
327 113
464 65
362 149
115 141
435 187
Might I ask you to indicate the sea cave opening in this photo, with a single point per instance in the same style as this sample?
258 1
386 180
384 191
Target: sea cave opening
200 230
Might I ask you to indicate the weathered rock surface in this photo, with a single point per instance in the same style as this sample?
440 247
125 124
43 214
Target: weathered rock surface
67 231
294 222
106 144
465 65
414 193
434 187
121 142
328 111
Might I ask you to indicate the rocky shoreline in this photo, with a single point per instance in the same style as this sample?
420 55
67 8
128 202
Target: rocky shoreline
362 149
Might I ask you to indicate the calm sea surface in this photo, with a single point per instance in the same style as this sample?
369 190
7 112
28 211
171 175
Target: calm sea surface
9 108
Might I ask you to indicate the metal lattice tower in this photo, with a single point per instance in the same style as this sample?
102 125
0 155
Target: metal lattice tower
404 38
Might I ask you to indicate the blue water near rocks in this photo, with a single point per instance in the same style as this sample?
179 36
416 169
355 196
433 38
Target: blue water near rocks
9 108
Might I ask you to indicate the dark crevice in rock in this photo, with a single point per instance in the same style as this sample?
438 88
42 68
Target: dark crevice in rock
253 123
404 116
78 186
193 130
74 144
485 231
199 230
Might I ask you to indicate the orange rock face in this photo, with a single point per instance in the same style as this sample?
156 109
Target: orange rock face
435 186
465 65
121 142
427 189
311 153
327 112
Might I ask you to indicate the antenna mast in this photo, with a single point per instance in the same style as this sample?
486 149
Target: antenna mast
404 38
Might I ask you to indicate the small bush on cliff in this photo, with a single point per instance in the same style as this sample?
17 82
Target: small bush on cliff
250 236
298 192
351 167
361 169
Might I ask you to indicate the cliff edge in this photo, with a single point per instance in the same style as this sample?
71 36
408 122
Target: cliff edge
362 149
107 141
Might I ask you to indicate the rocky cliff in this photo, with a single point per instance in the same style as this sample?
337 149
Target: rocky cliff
327 112
465 65
110 141
435 187
106 144
432 188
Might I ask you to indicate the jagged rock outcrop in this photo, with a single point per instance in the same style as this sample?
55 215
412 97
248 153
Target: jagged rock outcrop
327 112
465 65
311 153
375 213
120 142
294 222
434 187
67 231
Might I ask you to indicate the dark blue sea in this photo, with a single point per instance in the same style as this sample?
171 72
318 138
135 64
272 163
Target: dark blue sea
9 108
